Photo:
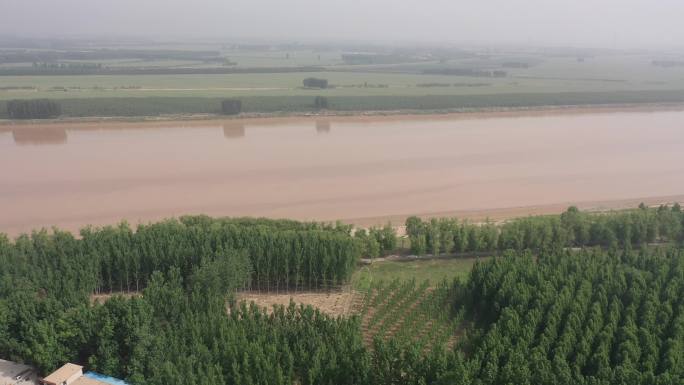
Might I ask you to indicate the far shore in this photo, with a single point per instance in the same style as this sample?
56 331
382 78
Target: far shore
342 116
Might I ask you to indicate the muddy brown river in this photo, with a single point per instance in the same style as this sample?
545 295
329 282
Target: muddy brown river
74 174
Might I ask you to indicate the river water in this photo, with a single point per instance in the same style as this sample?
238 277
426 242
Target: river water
340 168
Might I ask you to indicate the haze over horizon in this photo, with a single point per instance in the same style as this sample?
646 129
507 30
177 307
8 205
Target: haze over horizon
583 23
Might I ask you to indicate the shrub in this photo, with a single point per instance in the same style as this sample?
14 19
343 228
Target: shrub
231 106
315 83
321 102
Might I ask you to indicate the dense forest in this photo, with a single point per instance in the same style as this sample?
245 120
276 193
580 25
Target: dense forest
280 254
578 318
575 308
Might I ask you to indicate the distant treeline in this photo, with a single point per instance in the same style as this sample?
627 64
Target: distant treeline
515 64
30 56
571 229
466 72
668 63
70 66
33 109
378 58
155 106
101 70
434 84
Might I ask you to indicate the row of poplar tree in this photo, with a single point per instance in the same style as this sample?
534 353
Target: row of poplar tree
571 229
280 254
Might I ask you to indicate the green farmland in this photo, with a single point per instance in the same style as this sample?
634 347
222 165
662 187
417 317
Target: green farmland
433 270
532 80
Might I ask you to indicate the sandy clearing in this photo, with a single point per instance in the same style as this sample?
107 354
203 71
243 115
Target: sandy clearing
9 370
102 298
335 303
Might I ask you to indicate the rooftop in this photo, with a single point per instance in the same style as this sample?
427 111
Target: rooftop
83 380
62 374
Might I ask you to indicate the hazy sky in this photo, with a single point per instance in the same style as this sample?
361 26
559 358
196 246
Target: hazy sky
606 23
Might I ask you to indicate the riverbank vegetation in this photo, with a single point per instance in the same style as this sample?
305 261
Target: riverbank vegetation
160 106
630 228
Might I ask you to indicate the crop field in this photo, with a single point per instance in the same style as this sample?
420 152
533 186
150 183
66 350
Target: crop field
411 313
287 84
345 83
408 302
421 270
186 79
383 85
